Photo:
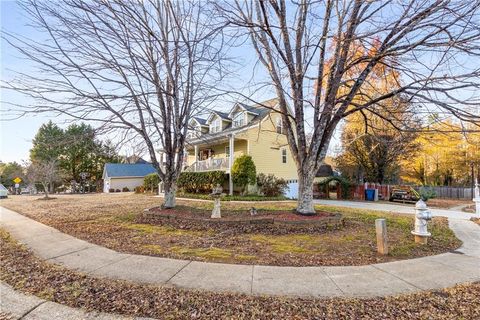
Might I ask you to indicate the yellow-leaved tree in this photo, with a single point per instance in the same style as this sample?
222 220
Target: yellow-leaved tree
448 155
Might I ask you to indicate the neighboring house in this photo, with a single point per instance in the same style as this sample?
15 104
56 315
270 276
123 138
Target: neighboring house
121 175
255 130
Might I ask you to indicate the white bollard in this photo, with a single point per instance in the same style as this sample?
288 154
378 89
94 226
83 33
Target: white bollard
381 230
422 215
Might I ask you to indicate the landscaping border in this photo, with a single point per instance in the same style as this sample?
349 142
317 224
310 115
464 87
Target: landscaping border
336 220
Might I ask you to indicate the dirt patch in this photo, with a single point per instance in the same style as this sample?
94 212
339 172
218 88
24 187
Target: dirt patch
447 203
117 222
25 272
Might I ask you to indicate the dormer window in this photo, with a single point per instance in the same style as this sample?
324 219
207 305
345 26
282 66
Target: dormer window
215 125
194 132
279 126
239 119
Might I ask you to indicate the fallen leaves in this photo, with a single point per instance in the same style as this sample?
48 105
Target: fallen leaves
25 272
117 222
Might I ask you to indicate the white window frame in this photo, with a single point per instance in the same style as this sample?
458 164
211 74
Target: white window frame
195 132
238 119
279 125
284 155
215 126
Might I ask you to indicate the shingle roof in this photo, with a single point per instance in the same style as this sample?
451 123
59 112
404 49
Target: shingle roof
222 115
115 170
261 110
202 122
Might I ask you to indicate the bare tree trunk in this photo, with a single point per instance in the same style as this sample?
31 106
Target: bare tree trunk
305 193
170 186
45 189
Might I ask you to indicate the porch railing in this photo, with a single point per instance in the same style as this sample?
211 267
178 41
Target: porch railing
209 165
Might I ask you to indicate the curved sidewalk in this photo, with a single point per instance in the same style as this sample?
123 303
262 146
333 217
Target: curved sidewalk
16 305
383 279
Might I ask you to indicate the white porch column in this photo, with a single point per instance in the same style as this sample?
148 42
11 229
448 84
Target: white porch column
196 158
230 163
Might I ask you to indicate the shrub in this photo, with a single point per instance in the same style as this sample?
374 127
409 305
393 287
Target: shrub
117 190
139 189
271 186
202 182
151 182
111 190
125 189
248 197
244 172
427 193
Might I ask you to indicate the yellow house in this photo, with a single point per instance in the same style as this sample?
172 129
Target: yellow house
256 130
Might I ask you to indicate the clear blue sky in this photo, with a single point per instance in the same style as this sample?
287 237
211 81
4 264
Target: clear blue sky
16 134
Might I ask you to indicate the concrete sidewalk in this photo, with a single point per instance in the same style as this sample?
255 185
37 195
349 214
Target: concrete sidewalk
392 278
16 305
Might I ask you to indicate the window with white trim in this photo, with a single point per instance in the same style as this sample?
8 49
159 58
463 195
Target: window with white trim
279 126
194 132
227 152
215 126
284 155
238 119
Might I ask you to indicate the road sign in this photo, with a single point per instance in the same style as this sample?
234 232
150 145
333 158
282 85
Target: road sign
17 180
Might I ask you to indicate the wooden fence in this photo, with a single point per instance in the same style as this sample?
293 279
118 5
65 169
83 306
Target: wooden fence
452 192
357 192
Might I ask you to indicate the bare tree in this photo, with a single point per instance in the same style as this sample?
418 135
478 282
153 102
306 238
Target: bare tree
43 172
308 50
139 66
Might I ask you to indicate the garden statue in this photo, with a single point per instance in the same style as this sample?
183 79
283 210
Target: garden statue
476 197
422 215
216 194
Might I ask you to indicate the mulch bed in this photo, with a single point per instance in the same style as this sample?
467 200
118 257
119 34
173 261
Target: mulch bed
272 222
27 273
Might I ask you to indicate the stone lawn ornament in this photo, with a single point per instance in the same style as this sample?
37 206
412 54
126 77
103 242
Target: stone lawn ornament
422 216
216 194
476 197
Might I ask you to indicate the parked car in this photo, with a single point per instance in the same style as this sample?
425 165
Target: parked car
404 193
3 192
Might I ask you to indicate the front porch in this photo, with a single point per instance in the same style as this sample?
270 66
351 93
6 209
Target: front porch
216 155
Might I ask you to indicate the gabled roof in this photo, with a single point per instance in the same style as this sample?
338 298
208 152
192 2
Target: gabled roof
200 121
221 115
260 110
118 170
244 107
257 109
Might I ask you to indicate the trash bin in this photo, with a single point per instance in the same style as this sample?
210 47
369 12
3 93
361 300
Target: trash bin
370 195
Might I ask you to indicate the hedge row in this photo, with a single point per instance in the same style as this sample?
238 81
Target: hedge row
204 182
248 197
